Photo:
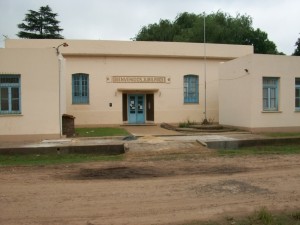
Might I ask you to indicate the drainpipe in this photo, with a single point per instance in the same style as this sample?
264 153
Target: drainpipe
60 61
60 75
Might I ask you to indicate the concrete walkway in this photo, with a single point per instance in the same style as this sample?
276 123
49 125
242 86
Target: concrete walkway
155 130
149 137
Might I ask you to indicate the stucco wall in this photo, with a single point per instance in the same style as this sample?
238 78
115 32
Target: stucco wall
39 118
104 59
235 92
245 93
168 97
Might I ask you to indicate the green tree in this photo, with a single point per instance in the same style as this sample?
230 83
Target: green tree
40 24
297 50
220 28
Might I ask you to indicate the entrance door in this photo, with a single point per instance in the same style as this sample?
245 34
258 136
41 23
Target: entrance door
150 107
136 109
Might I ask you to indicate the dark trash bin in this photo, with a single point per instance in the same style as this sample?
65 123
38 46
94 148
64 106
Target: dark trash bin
68 127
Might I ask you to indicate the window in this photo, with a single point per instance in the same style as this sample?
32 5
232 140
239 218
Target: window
10 94
80 88
270 93
191 90
297 94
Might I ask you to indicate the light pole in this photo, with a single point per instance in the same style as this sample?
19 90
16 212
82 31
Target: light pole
204 47
57 48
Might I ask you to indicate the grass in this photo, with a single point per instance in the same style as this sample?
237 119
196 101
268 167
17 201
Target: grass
286 134
261 217
100 132
50 159
262 150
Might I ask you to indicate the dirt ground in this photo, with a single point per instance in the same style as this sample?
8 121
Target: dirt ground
149 189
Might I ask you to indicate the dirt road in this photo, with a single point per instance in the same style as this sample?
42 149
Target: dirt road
148 190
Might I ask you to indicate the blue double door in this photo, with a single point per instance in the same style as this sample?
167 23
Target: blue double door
136 109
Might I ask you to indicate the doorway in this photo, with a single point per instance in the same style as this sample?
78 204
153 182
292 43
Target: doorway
136 109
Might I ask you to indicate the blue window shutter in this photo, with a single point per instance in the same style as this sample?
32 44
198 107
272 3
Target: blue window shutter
297 93
191 89
270 93
10 94
80 88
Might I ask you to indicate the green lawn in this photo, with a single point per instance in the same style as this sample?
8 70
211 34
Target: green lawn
48 159
261 150
285 134
100 132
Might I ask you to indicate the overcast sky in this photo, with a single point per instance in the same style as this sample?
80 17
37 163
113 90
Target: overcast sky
122 19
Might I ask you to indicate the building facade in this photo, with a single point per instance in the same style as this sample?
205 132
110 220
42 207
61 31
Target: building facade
120 82
29 94
260 93
104 83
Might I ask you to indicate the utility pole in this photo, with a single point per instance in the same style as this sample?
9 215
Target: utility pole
205 121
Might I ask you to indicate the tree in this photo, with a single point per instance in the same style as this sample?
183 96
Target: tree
297 50
220 28
40 24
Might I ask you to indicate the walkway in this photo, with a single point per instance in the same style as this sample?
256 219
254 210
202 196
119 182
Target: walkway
154 130
149 138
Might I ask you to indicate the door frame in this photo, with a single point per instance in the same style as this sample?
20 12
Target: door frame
138 118
149 112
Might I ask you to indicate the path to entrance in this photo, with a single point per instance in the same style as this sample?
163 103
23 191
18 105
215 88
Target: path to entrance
149 130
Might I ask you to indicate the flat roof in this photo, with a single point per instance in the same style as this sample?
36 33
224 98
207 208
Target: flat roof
135 48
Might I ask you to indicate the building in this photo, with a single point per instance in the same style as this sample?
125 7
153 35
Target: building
260 93
29 94
105 83
120 82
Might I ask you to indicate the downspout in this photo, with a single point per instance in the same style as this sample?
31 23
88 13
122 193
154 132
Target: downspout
60 75
60 61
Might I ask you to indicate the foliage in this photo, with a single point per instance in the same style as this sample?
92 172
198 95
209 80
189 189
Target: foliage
297 50
100 132
40 24
220 28
49 159
186 124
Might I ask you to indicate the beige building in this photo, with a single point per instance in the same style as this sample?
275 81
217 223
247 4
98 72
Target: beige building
120 82
123 82
29 94
260 93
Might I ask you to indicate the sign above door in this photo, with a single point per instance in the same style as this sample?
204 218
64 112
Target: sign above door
138 79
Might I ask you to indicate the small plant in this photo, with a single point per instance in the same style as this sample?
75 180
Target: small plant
296 216
265 217
208 121
186 124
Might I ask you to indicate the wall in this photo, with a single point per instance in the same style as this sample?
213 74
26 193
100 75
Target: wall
235 91
39 116
104 59
287 68
245 93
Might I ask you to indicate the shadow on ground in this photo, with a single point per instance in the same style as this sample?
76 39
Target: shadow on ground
140 172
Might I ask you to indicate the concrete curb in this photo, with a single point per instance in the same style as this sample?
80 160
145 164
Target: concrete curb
105 149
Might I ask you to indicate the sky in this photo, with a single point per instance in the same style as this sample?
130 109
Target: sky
122 19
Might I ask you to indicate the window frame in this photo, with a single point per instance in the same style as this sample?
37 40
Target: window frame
272 89
191 89
10 87
297 87
80 89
